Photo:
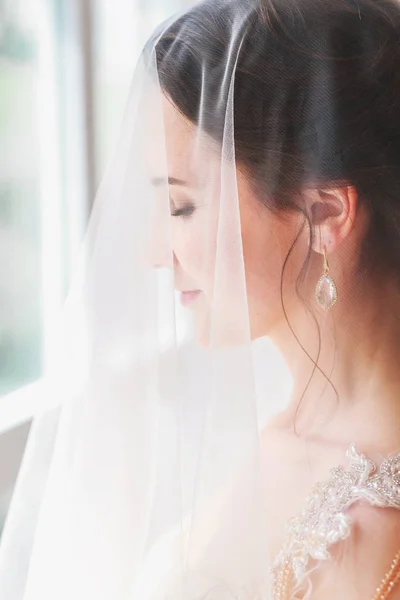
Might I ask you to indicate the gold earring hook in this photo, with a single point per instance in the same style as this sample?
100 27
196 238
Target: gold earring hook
326 264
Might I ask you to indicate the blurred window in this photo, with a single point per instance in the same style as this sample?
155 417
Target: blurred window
65 72
21 323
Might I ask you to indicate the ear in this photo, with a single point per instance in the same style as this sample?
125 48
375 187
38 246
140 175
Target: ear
332 214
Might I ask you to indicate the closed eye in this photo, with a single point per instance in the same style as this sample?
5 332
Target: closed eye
185 211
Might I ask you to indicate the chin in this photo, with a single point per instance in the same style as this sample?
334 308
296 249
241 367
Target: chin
221 338
222 331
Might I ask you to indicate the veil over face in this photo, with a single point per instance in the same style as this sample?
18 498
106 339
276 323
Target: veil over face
150 473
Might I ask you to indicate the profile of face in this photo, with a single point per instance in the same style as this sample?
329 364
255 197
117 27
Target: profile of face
228 249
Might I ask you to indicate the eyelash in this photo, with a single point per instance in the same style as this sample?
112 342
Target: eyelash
184 212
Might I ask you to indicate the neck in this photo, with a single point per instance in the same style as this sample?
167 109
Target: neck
345 370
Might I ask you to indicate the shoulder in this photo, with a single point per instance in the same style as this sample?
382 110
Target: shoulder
360 562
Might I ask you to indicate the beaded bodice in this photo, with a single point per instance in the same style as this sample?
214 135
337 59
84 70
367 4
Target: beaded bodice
325 520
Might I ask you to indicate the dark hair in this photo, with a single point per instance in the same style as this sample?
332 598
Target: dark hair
316 101
316 98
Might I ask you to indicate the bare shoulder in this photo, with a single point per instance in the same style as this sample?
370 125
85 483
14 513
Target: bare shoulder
360 563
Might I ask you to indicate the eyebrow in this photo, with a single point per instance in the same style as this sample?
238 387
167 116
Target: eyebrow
158 181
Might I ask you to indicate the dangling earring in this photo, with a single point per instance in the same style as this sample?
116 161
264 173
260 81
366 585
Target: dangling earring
326 292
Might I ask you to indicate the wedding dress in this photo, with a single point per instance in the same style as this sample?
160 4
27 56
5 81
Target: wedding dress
321 525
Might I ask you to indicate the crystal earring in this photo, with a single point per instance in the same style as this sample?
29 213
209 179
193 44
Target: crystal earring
326 292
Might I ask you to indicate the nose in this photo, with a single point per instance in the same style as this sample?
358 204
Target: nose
164 260
169 266
160 254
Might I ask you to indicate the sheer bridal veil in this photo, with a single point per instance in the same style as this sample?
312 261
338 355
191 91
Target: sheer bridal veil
143 477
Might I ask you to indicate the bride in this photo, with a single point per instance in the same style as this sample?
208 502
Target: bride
237 431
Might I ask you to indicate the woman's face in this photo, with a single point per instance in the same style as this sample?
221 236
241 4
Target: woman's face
224 295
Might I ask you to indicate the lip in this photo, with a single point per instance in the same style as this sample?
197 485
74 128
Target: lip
190 296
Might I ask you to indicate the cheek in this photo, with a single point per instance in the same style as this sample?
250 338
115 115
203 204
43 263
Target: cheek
263 256
266 244
192 252
263 266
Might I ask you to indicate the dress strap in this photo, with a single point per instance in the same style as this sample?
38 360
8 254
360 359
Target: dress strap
325 520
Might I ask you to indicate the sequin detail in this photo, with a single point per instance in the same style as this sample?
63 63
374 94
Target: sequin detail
324 521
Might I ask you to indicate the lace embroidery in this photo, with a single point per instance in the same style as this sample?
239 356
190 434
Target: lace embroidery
324 521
